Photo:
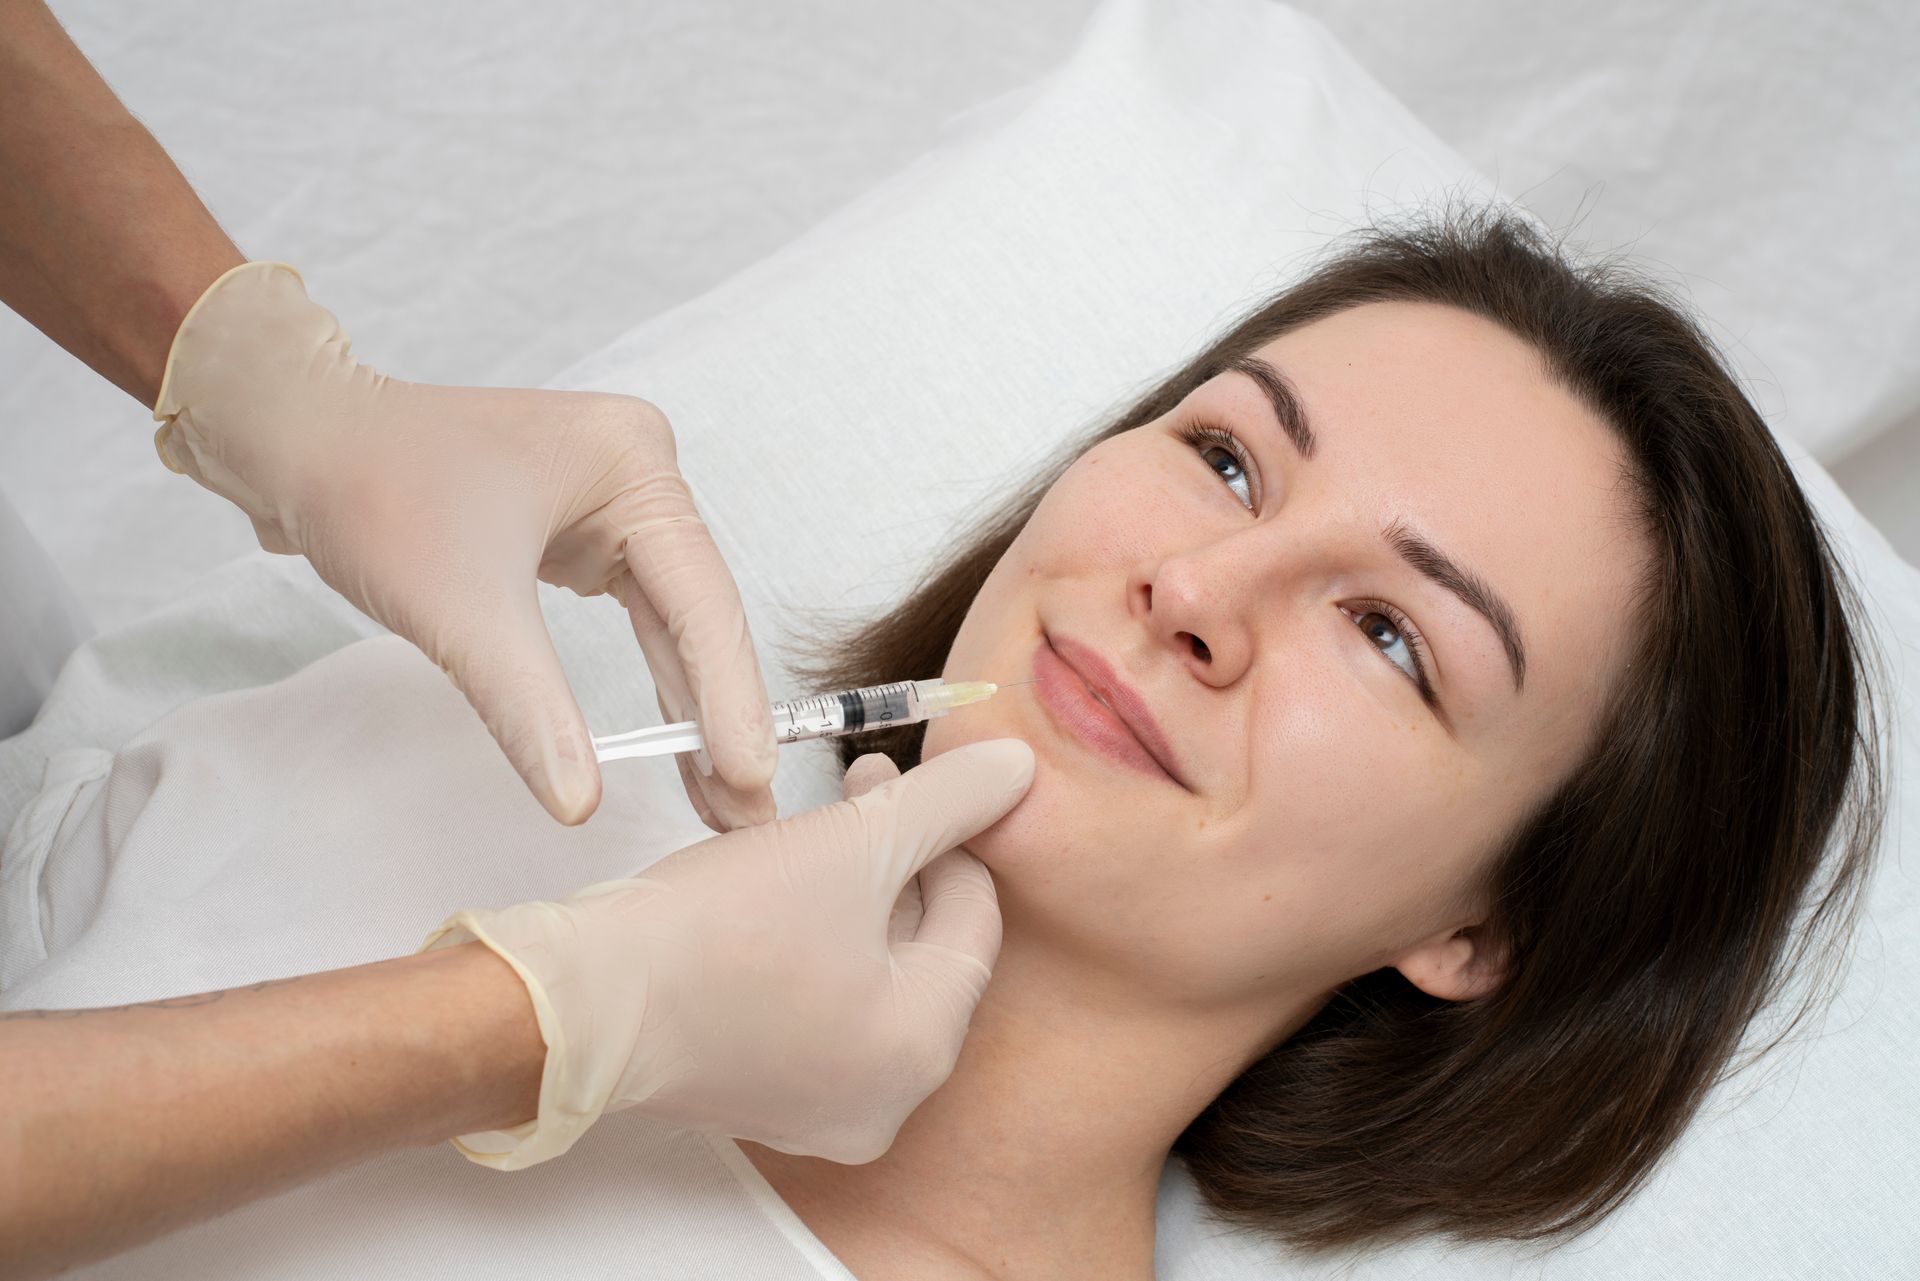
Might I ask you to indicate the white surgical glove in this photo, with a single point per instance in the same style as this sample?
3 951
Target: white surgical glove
433 509
747 985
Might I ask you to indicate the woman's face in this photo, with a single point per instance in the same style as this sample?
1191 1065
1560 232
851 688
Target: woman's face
1321 820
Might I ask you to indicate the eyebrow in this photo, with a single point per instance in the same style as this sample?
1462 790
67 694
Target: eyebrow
1416 551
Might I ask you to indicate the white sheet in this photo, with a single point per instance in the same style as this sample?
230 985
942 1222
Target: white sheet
40 622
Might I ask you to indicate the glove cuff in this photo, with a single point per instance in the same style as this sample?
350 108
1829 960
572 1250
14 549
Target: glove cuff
565 1109
253 282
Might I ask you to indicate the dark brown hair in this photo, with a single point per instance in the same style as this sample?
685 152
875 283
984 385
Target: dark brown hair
1652 903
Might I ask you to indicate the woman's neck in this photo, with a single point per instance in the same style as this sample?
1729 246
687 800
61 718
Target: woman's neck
1041 1154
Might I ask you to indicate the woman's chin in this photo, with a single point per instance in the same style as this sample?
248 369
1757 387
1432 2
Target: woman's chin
1019 838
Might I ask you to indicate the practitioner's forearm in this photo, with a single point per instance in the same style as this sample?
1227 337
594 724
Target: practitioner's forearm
119 1125
103 244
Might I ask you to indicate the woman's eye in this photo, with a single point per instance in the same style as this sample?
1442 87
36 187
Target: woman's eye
1223 451
1391 631
1387 638
1393 635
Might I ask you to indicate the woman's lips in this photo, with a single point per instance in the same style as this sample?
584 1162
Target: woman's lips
1073 705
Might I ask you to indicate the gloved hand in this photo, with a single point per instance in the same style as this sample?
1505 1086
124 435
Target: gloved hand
433 509
747 985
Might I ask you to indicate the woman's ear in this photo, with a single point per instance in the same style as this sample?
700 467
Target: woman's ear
1457 965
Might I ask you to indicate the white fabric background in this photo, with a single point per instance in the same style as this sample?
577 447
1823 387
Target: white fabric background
40 622
483 191
917 307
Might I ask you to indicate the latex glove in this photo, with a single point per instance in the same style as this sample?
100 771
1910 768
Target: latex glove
433 509
746 985
903 923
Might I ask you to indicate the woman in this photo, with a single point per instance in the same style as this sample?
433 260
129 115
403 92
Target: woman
1483 698
1499 728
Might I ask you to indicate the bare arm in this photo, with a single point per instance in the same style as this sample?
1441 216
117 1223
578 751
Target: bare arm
119 1125
103 244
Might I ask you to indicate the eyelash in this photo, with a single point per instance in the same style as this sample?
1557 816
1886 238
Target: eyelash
1201 436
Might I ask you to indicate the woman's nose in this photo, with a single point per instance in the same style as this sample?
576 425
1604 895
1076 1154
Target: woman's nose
1183 607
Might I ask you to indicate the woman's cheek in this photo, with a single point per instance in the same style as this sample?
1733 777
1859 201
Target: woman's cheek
1119 502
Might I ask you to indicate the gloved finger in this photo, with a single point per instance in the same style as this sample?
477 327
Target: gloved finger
961 907
940 804
512 677
720 804
663 661
865 774
678 568
903 923
945 968
691 781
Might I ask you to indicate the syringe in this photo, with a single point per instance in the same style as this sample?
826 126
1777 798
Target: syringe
851 711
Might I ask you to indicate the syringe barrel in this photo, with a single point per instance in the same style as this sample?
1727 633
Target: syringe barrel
850 711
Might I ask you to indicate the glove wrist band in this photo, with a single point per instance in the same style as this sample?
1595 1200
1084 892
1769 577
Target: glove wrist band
560 1122
167 404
